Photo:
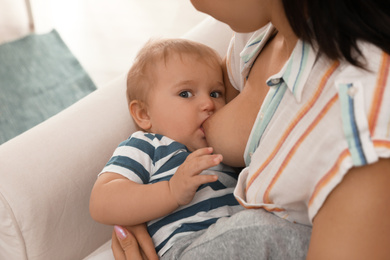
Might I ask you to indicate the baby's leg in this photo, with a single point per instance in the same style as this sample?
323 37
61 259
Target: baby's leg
249 234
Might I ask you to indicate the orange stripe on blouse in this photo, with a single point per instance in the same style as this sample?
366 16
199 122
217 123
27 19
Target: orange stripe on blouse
329 175
295 121
380 89
293 150
381 143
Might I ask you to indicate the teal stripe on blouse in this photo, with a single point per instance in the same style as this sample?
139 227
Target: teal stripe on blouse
350 126
247 57
271 103
296 76
304 55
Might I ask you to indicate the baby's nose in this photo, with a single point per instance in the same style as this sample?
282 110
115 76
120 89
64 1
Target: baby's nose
208 105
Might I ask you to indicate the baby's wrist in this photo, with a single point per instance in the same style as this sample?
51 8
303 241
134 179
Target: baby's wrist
172 194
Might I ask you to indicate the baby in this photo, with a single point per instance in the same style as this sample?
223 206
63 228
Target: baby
165 174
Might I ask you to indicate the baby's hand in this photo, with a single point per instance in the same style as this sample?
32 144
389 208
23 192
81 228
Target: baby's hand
187 179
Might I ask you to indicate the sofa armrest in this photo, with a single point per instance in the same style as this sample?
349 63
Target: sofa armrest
47 173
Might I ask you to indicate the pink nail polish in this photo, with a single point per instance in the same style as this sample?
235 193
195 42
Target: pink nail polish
120 232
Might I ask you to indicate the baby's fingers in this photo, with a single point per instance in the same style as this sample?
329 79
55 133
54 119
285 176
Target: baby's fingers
202 163
204 178
201 152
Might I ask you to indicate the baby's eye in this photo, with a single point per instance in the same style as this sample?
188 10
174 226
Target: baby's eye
215 94
185 94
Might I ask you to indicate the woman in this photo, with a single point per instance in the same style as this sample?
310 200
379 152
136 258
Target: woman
312 117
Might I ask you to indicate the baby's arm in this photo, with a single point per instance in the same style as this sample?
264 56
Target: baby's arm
115 200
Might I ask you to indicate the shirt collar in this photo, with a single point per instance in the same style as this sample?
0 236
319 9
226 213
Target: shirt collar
296 70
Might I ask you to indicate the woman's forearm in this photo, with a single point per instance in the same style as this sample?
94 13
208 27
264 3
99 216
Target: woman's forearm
115 200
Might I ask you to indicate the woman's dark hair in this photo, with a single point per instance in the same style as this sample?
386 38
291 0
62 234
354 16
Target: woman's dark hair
335 26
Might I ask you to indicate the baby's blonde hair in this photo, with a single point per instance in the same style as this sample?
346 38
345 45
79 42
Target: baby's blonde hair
140 77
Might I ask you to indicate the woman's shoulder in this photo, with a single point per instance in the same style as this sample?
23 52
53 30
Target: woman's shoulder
372 78
374 62
364 98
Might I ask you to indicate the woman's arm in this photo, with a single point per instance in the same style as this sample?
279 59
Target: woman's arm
354 221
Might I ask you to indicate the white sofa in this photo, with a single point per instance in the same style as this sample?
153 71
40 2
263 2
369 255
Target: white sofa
47 173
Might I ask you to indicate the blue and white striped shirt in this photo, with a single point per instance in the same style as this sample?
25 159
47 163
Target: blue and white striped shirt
149 158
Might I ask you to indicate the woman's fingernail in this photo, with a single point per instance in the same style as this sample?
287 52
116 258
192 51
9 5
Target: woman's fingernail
120 232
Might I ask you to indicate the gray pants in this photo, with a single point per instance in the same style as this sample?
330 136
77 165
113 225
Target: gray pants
249 234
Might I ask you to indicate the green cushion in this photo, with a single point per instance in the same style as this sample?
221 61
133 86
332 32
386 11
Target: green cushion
39 77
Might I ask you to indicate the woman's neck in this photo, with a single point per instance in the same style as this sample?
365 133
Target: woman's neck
286 36
285 43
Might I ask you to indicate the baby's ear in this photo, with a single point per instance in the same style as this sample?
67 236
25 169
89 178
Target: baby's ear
139 112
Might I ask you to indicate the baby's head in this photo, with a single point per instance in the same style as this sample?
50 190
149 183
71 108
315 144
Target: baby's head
173 86
142 75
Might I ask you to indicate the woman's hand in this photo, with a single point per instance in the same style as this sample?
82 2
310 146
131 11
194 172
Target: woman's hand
132 243
187 179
